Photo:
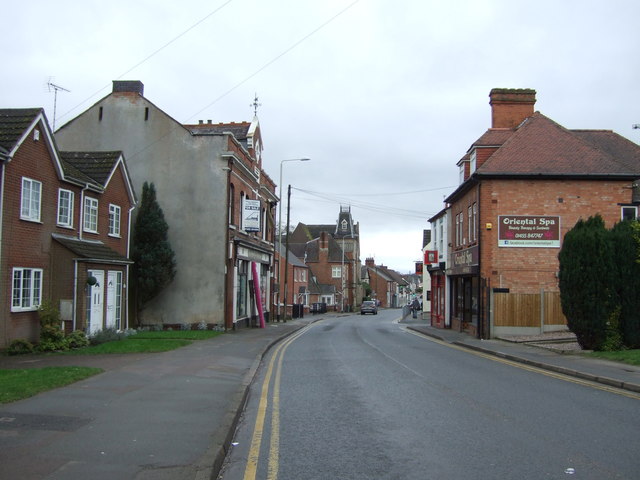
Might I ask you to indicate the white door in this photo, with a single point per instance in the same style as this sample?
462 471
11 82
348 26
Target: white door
96 305
111 299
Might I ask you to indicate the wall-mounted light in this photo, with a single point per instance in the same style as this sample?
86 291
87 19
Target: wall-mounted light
92 281
488 226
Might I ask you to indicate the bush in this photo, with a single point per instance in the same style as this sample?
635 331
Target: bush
20 347
77 339
586 280
49 315
48 345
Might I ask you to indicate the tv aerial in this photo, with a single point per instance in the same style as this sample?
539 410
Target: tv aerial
56 89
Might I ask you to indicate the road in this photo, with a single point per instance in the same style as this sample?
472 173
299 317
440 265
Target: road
361 397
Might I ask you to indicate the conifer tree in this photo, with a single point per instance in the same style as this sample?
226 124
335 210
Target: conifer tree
586 276
625 243
154 258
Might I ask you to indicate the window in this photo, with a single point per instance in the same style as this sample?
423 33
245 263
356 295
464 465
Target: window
629 213
241 288
472 164
475 221
336 272
232 211
470 223
114 220
90 215
30 202
65 208
27 289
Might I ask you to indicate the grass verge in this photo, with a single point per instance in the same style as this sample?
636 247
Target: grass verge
19 384
147 342
631 357
130 345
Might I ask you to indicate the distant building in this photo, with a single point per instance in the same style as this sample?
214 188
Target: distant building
332 252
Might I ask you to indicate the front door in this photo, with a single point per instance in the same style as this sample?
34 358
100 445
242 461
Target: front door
96 302
111 300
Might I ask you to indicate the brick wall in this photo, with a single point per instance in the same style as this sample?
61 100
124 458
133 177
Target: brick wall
527 270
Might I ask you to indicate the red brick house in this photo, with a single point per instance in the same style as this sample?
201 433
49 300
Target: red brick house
332 252
386 285
524 183
65 231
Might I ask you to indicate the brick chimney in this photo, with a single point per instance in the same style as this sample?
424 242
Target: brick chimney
324 241
370 262
128 86
510 106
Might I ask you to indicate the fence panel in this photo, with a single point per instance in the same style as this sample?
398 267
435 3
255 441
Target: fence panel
516 309
553 309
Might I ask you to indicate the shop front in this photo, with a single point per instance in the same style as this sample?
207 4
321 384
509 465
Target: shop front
465 290
251 286
438 297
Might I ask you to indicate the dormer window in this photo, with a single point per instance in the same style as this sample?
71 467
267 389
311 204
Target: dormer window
472 165
461 172
343 225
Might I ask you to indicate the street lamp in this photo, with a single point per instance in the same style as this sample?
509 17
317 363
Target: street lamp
280 226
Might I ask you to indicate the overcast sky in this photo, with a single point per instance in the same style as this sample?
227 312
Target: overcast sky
383 96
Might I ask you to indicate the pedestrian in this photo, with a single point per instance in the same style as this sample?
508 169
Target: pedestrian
415 306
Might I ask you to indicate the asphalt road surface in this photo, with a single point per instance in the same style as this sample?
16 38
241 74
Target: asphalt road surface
361 397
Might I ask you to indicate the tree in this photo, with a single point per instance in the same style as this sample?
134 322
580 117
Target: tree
154 259
625 243
586 282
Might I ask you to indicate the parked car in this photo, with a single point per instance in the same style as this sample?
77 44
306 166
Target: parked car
368 306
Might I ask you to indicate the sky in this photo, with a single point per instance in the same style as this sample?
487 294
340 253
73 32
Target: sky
383 96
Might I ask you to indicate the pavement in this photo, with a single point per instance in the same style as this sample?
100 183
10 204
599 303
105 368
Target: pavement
172 415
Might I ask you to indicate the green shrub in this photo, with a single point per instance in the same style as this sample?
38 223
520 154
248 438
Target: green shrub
20 346
49 332
49 345
77 339
586 281
49 315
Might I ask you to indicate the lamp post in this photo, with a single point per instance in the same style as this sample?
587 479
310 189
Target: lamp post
280 226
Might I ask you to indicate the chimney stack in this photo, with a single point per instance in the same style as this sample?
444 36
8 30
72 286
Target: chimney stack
324 241
370 262
128 86
510 106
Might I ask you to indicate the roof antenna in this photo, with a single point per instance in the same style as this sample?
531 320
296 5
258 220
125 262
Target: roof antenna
55 88
255 105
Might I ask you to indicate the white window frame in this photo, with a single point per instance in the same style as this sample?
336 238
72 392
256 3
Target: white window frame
114 220
30 200
336 271
65 219
26 289
90 222
628 207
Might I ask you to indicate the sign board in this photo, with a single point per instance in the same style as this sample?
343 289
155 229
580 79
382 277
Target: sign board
528 231
430 256
251 215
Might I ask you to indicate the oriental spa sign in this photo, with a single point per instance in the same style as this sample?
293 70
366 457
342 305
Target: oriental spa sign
528 231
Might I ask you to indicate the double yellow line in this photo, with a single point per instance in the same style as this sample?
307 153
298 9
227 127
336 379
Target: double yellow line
258 430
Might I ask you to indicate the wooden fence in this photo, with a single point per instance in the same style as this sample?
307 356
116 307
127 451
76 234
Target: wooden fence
526 313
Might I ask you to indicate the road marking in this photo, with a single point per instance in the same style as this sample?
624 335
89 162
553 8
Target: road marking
258 430
530 368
